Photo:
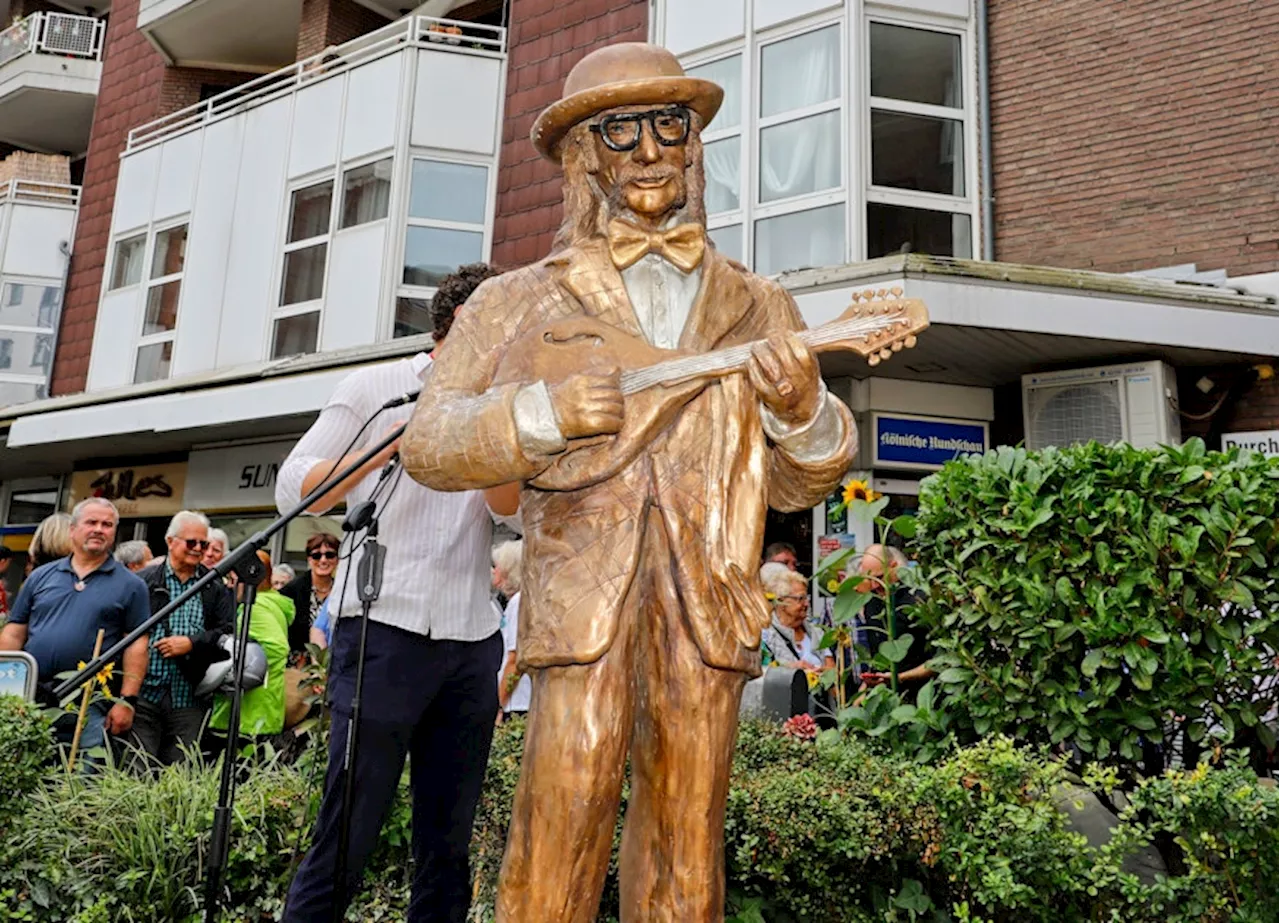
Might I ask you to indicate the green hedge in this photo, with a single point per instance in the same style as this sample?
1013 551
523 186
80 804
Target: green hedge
1102 597
814 834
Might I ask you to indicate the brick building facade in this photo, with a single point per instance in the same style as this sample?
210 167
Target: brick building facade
1132 134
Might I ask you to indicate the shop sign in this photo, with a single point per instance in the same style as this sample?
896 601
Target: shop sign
137 491
241 477
1267 442
924 442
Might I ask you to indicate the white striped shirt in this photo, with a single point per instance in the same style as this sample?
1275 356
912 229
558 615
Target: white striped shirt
437 572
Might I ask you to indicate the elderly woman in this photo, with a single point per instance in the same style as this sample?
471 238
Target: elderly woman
309 590
514 690
51 541
217 549
791 640
281 574
134 554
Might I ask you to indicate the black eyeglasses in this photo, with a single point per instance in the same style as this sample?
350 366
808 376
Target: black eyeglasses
194 543
323 555
621 131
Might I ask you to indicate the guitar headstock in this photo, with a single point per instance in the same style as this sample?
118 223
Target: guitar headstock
904 318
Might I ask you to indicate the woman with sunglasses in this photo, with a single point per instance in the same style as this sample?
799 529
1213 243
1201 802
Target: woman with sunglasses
791 640
311 588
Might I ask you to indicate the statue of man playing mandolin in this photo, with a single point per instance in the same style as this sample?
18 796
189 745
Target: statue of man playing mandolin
653 397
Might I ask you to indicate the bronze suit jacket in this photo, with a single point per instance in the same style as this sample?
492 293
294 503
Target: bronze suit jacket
696 453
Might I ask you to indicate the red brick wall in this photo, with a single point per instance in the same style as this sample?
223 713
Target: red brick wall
128 95
547 37
1131 134
181 85
332 22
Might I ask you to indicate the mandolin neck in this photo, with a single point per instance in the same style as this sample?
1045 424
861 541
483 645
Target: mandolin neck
733 359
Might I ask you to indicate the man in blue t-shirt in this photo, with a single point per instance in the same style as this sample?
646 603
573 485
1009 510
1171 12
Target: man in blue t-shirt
64 603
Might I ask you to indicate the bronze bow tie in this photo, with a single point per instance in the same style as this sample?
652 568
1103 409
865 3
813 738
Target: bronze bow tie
682 246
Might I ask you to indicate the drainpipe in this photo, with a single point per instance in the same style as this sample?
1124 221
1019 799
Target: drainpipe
64 247
984 115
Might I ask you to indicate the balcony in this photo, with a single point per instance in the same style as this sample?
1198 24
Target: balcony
244 35
36 222
310 210
50 64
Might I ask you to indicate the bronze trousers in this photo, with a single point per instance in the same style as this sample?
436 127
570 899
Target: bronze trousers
650 693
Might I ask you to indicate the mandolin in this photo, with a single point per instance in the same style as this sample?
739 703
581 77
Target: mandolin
876 325
657 382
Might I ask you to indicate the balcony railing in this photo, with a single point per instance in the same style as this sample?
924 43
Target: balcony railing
420 31
35 192
59 34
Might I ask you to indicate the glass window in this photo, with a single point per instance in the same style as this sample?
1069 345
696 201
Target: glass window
13 393
801 71
303 275
6 353
28 507
296 335
917 152
126 267
728 240
800 157
366 193
29 305
727 72
153 362
722 161
801 239
309 211
448 191
916 65
430 254
162 308
895 229
42 352
413 316
170 251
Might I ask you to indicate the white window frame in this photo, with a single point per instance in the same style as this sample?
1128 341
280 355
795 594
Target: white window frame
856 191
340 192
966 204
9 376
116 241
147 284
402 289
279 311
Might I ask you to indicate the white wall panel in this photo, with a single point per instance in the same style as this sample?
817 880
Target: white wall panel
355 276
208 247
691 26
176 183
455 102
35 234
317 111
770 12
957 8
115 337
255 236
373 97
135 190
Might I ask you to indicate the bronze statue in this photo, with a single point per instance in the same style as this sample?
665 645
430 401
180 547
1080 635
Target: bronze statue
607 378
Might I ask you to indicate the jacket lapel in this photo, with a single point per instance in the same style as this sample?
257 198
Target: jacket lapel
723 299
591 278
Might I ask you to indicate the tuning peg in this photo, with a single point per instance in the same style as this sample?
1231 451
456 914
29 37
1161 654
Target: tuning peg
910 342
873 360
897 346
886 353
897 292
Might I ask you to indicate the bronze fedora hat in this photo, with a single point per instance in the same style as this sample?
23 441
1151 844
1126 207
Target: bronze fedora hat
625 74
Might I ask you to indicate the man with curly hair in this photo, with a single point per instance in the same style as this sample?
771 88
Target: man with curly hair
433 644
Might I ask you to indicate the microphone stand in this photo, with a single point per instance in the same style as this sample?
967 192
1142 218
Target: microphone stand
245 555
368 589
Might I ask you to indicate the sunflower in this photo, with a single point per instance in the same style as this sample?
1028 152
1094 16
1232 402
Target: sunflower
859 490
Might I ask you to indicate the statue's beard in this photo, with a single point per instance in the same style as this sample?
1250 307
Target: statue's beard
616 202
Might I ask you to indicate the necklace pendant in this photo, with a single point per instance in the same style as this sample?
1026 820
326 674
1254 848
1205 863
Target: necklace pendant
79 585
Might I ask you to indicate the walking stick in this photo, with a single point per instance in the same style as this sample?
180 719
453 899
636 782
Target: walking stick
84 705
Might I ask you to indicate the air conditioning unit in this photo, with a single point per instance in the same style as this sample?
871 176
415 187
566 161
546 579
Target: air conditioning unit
1135 403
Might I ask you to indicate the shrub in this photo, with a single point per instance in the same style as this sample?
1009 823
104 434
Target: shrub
26 749
1101 597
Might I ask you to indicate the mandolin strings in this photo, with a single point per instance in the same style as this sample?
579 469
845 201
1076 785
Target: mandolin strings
734 357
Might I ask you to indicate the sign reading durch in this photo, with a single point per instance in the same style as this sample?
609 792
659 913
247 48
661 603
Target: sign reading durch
924 442
1266 442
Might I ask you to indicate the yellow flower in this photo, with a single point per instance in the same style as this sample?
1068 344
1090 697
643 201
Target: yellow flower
772 597
814 679
859 490
104 675
832 585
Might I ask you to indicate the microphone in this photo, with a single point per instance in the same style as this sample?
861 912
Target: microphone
402 400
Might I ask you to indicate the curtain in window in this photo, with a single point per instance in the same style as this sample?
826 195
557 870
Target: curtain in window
722 161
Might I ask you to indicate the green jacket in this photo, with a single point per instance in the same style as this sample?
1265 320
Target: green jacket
262 709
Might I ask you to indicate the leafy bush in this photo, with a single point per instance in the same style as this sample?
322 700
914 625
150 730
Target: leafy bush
26 748
1102 597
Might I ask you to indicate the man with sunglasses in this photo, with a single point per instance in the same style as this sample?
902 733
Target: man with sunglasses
641 607
169 716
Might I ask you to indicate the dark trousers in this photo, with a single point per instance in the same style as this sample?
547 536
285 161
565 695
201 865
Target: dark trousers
434 701
161 734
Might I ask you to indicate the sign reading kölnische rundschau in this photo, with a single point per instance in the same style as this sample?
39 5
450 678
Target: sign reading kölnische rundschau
924 443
